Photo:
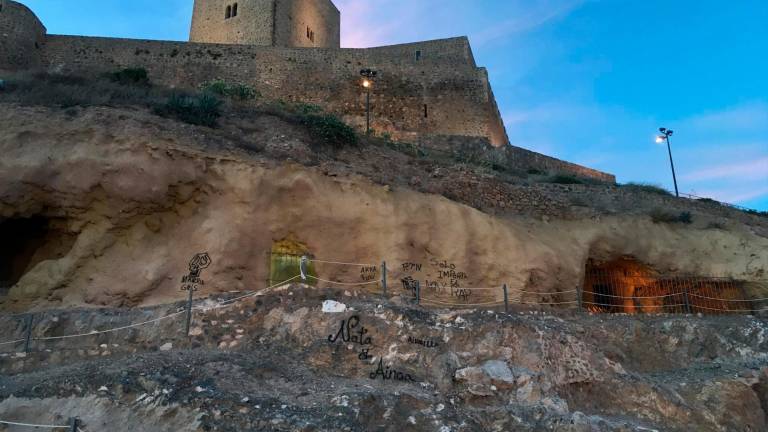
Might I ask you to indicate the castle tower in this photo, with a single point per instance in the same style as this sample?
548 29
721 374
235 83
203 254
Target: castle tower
282 23
21 36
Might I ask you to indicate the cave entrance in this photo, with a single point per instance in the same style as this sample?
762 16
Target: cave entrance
25 242
626 285
284 260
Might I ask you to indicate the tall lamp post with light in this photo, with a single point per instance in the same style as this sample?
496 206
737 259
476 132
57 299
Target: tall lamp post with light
368 77
665 134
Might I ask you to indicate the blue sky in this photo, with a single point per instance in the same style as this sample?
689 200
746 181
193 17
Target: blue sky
589 81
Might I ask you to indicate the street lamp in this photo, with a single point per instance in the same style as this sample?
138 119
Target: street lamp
368 77
665 134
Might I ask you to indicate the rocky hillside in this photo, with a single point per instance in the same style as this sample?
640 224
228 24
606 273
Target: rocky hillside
101 208
278 362
117 200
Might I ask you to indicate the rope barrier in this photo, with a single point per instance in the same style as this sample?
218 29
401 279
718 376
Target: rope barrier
731 310
549 303
232 301
342 263
12 342
10 423
343 283
634 297
719 299
637 306
497 303
110 330
541 293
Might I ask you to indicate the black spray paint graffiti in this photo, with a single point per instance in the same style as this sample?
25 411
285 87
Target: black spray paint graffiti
428 343
368 273
197 264
410 285
387 373
411 267
349 332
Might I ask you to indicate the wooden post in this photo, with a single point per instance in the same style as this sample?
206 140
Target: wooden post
506 299
384 277
580 297
189 309
74 424
28 339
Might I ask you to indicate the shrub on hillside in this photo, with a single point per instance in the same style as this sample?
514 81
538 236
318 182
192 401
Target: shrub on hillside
664 216
565 179
130 76
330 130
232 90
203 109
646 187
62 90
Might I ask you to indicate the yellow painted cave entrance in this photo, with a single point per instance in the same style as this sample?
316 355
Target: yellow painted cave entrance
626 285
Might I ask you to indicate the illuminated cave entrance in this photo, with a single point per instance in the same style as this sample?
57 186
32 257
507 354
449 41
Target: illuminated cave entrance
626 285
26 242
284 259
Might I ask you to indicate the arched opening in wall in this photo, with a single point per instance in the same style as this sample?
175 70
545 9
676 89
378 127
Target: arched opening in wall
27 242
626 285
228 12
234 10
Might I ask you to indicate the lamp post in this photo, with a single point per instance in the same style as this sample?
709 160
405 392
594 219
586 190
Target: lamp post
665 134
368 77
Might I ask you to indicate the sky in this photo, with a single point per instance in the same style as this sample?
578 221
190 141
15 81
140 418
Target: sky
588 81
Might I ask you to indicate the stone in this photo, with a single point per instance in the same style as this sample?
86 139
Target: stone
166 346
332 306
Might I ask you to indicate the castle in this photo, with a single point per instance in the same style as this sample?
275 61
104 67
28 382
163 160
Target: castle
290 50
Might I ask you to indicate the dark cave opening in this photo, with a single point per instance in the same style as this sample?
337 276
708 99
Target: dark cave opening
25 242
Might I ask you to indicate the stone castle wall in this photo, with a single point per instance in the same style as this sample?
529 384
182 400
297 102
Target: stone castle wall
252 25
441 92
21 36
307 23
423 89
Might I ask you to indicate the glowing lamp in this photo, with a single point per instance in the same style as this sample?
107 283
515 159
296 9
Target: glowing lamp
366 83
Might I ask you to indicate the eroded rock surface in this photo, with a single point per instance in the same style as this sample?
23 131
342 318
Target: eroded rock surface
278 362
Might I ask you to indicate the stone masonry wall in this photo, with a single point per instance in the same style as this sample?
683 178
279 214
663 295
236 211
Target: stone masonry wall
21 36
253 24
441 92
511 157
307 23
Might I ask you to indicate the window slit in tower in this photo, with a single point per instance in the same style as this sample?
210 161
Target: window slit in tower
228 13
418 55
426 111
234 10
